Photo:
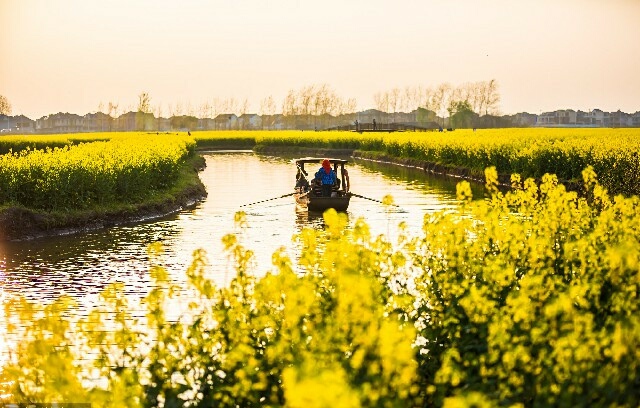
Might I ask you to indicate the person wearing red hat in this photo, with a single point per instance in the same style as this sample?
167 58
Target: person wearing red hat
327 177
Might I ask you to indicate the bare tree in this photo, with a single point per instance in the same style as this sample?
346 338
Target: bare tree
426 99
244 106
315 104
267 110
394 101
325 101
214 108
191 111
158 112
203 110
492 98
5 106
289 104
112 112
408 99
441 98
144 103
267 106
177 110
478 97
229 105
350 105
381 100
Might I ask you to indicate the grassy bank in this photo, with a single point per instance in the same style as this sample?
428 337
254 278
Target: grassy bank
613 153
96 184
23 222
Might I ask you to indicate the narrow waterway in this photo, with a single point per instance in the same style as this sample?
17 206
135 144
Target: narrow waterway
82 265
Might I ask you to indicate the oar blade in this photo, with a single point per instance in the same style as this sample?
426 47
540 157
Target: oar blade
373 199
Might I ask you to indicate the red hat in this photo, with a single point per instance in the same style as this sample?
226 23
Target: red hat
326 164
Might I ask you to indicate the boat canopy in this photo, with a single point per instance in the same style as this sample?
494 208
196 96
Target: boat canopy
305 160
335 163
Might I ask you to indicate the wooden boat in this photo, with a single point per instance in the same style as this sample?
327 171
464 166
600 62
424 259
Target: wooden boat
308 191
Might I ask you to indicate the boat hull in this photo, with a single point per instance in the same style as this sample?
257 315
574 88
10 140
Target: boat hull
321 204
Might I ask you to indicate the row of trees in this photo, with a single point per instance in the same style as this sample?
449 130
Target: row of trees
460 103
313 103
481 98
312 100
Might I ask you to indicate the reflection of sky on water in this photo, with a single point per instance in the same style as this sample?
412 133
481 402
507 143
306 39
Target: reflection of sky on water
82 265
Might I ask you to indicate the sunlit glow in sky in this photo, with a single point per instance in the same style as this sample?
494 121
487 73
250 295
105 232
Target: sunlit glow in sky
72 55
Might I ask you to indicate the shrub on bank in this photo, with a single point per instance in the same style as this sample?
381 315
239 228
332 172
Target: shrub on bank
41 142
80 176
613 153
527 298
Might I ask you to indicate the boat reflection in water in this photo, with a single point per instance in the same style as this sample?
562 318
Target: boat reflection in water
309 194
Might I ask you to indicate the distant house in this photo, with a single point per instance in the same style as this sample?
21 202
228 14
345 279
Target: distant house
23 124
225 121
184 123
249 121
582 118
272 122
564 117
126 122
97 122
60 123
132 121
595 117
164 124
524 119
206 124
369 115
5 123
621 119
19 124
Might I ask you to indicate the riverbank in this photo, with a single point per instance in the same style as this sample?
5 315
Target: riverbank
22 223
457 172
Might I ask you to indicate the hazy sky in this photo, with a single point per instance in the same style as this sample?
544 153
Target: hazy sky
71 55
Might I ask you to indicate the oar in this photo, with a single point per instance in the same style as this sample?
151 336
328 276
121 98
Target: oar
372 199
268 199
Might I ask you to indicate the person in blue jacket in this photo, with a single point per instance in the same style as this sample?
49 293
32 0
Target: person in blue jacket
327 177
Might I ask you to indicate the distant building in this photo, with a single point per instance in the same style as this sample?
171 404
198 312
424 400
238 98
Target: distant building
621 119
559 117
60 123
164 124
273 122
19 124
423 118
369 115
524 119
97 122
250 121
225 121
136 121
596 117
206 124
